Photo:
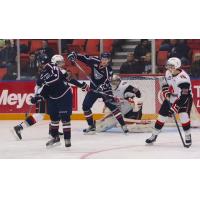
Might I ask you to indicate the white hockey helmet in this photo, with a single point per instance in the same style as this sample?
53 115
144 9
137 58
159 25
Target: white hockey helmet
173 62
115 81
58 59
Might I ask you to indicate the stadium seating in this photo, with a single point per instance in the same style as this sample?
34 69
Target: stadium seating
77 45
193 43
77 73
158 44
107 45
36 44
162 57
194 52
3 71
79 42
54 45
24 42
92 47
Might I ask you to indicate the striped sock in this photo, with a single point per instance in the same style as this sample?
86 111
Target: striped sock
54 128
89 117
67 130
116 112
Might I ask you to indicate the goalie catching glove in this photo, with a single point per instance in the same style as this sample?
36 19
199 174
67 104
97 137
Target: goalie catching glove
136 102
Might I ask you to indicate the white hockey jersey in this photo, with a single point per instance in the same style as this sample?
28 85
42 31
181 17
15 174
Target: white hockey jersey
174 82
124 106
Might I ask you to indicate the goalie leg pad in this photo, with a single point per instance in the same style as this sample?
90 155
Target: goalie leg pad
106 123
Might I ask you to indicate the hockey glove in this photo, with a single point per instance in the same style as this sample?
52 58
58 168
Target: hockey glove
165 91
72 56
36 99
85 87
173 109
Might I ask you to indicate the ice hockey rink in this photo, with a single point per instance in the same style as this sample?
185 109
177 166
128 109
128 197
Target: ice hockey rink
110 145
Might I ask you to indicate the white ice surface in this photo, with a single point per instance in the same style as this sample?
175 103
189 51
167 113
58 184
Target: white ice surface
103 145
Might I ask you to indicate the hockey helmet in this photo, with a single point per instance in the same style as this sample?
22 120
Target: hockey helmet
57 60
42 58
105 55
173 62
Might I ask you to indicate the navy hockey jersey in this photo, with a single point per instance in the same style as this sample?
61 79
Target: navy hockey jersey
53 81
101 77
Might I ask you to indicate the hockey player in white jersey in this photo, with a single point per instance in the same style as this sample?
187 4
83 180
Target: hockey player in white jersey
129 101
177 90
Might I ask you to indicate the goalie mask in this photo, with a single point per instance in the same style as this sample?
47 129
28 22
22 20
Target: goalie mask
115 81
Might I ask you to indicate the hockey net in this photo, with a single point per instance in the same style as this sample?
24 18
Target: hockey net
150 88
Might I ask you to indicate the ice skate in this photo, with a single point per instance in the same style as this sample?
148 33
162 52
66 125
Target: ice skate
50 136
91 130
125 129
152 139
68 143
16 131
188 140
53 142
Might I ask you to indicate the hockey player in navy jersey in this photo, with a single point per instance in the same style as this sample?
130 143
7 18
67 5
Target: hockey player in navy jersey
53 86
101 73
40 105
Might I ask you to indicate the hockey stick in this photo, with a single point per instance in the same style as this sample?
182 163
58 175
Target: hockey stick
97 91
29 111
77 65
38 90
174 116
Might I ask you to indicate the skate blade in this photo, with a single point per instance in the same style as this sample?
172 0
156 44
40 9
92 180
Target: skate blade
126 134
149 144
14 134
188 145
54 145
90 133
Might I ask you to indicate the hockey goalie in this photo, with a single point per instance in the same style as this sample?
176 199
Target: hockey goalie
130 102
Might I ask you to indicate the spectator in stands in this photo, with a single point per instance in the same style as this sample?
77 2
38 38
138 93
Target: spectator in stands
131 66
182 51
64 44
117 45
46 50
141 50
195 67
8 55
29 69
147 63
165 46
